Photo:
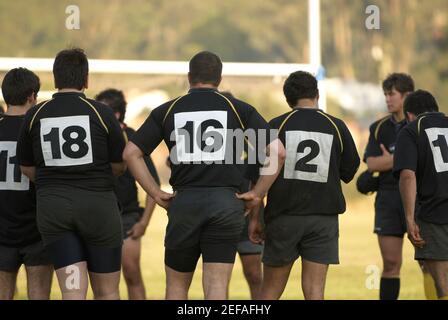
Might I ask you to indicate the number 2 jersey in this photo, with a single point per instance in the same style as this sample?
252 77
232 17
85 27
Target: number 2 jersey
71 140
422 147
320 152
17 194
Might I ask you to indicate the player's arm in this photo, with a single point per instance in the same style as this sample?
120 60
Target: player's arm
256 234
276 155
30 172
134 158
116 142
118 168
377 158
405 166
350 159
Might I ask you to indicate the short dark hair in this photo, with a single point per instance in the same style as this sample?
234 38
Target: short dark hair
419 102
402 82
205 67
115 99
300 85
18 85
70 69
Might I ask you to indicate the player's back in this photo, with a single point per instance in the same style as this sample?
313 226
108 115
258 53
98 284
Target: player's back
320 152
17 194
72 140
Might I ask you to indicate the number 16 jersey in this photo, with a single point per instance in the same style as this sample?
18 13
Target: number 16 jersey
71 140
320 152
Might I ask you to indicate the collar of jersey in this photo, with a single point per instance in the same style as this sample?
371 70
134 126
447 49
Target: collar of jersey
435 113
65 94
202 90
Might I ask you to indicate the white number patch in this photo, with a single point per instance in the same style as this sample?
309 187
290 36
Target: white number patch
11 178
308 156
200 136
439 147
66 141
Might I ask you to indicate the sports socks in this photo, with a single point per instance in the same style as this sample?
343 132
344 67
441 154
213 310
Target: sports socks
389 288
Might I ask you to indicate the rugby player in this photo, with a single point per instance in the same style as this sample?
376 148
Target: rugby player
134 218
390 222
71 146
304 202
421 163
20 241
206 216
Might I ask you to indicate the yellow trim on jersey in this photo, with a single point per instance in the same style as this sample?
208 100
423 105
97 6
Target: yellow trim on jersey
377 130
233 108
38 110
336 127
171 107
418 124
286 119
1 118
97 113
125 135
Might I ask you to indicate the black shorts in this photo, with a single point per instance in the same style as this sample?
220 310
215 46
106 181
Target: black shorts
390 219
314 238
11 258
129 220
80 225
203 221
436 238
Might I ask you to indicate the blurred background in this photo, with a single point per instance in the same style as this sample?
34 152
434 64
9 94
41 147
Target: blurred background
412 38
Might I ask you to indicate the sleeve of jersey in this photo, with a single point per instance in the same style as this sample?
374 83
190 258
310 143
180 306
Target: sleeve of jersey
406 152
24 150
373 148
117 140
152 169
350 159
149 135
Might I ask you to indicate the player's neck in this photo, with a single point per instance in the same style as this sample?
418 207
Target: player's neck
17 110
398 116
65 90
306 104
203 86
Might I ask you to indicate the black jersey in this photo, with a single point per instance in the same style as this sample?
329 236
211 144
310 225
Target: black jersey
17 193
200 113
125 185
384 132
71 140
422 147
320 152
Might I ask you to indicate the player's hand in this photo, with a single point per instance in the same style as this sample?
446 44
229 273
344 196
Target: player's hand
414 235
137 231
163 198
256 233
251 199
386 152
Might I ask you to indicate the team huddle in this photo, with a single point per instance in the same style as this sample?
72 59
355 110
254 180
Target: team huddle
69 200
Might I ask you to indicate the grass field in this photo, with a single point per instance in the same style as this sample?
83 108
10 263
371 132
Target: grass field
358 250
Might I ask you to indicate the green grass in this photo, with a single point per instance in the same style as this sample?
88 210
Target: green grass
358 250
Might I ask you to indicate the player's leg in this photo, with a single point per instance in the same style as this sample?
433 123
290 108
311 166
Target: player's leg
428 282
253 273
9 267
105 285
274 281
314 276
439 272
39 271
215 280
391 248
131 269
319 248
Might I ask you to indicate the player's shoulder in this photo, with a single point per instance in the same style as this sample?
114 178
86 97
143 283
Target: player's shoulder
277 121
379 123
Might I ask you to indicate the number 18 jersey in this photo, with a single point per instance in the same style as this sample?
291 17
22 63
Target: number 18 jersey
71 140
320 152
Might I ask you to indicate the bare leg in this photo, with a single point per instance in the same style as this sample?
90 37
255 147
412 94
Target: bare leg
105 286
215 280
131 269
177 284
274 281
73 281
314 276
39 279
7 285
439 271
391 252
253 273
